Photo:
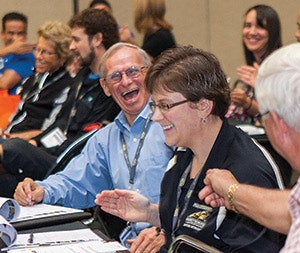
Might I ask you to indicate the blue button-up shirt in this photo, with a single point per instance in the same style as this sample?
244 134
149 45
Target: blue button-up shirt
101 165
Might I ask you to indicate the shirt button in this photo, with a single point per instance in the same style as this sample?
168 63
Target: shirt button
135 139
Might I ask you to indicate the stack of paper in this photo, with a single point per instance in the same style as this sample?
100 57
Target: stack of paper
74 241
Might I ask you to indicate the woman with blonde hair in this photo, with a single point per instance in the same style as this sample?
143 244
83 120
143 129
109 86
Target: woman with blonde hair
149 19
43 94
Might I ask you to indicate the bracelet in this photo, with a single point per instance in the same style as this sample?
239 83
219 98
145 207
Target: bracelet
232 188
248 107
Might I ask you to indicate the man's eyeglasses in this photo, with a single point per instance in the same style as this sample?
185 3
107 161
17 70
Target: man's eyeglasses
163 107
132 72
261 115
43 52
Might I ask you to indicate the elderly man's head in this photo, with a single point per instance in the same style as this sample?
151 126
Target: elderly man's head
123 69
278 95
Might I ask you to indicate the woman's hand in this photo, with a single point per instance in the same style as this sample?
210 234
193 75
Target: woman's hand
247 74
126 204
150 240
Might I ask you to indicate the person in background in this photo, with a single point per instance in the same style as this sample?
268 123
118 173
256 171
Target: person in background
278 79
129 153
43 94
261 36
17 61
93 31
189 88
297 33
149 19
125 34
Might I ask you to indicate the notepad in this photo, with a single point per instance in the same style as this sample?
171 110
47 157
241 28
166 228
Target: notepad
14 217
47 215
251 129
42 211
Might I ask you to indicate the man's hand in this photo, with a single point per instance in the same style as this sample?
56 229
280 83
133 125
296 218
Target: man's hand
217 183
20 47
29 193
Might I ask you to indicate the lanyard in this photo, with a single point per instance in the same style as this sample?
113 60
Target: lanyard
35 95
177 217
132 168
74 106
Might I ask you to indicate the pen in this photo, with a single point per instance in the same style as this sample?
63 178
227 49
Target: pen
30 239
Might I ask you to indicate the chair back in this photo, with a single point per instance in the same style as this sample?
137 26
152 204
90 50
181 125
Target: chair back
72 150
8 106
192 242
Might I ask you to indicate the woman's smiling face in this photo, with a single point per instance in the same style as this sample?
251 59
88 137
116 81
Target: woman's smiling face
179 121
255 37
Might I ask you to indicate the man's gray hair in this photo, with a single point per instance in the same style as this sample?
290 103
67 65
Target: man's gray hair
278 85
144 56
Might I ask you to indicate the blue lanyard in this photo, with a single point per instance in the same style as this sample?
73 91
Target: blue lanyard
132 168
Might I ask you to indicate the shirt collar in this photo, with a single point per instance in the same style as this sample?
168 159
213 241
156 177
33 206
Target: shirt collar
122 122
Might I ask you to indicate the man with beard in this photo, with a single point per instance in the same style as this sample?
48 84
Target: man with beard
87 106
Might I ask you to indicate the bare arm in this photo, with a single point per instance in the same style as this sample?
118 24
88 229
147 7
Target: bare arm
17 47
268 207
240 98
129 205
26 135
125 35
9 79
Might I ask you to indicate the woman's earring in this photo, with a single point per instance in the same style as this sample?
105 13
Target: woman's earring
203 120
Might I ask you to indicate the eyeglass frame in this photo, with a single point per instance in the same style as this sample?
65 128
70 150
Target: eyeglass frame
259 116
164 107
140 70
43 52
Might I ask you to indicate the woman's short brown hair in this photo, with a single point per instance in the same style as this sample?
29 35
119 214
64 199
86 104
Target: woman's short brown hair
192 72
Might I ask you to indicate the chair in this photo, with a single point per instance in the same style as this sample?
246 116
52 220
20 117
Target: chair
71 151
192 242
8 106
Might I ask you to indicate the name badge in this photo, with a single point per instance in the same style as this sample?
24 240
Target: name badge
53 138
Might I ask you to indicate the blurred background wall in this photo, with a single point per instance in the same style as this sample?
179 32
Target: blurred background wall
213 25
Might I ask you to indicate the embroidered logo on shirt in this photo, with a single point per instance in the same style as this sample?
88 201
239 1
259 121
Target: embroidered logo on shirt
197 220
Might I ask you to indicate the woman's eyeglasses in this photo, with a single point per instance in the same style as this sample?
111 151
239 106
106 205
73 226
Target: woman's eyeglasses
43 52
164 107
